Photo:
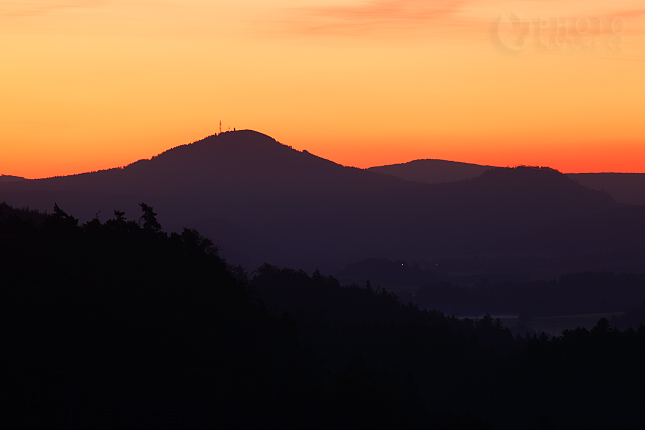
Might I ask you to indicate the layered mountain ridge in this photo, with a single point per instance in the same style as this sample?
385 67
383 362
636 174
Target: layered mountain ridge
264 201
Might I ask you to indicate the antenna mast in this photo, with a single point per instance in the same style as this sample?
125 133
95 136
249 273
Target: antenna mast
220 126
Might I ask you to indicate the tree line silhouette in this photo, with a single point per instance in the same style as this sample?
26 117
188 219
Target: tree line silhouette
118 324
491 288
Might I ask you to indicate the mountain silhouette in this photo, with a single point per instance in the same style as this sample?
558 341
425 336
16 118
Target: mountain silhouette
626 188
233 162
234 242
619 229
263 201
9 178
432 171
484 214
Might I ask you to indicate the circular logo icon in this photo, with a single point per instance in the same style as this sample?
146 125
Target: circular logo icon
514 32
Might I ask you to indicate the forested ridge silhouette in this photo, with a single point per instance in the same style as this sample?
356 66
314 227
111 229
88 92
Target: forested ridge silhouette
624 187
506 286
10 178
432 171
265 201
627 188
634 317
118 324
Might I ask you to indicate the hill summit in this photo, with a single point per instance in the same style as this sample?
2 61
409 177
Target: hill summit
229 163
265 201
432 171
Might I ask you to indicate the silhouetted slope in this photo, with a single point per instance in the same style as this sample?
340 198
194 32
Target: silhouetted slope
432 171
537 192
626 188
310 212
233 162
622 228
120 325
484 214
9 178
577 380
8 212
236 244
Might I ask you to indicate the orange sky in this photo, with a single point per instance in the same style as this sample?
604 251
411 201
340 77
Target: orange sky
94 84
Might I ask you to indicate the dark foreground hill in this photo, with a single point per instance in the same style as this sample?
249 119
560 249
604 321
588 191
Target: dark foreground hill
293 208
117 324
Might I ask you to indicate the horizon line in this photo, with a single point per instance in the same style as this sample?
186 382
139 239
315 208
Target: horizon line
307 151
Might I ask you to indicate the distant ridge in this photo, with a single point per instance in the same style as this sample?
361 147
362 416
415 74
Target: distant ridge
263 201
626 188
238 162
9 178
432 171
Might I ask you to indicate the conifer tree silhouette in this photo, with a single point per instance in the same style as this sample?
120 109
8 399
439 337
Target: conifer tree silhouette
149 217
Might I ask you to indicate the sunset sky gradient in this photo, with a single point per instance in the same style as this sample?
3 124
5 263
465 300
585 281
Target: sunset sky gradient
95 84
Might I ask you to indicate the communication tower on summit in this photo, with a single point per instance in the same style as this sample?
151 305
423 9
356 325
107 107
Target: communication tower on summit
220 125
